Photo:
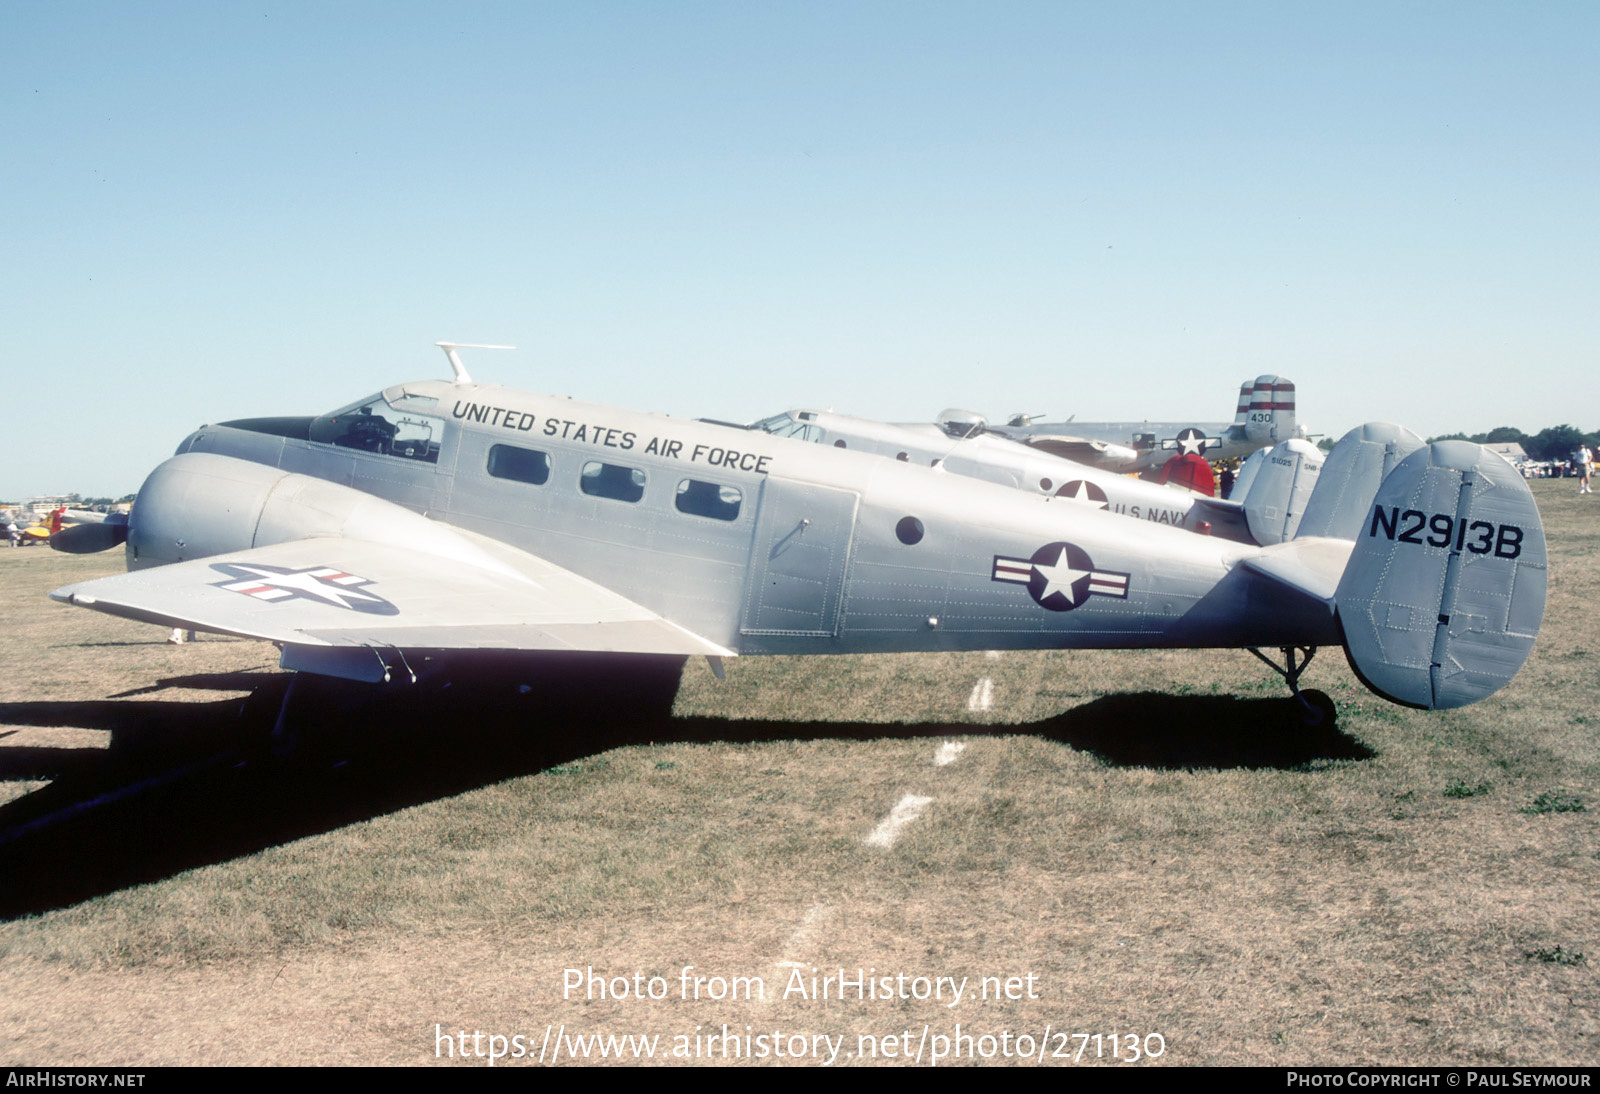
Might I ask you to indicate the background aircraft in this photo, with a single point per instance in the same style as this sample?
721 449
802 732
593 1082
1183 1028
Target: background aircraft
1264 417
1280 494
442 518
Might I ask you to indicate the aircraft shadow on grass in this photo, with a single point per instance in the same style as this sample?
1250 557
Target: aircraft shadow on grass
186 784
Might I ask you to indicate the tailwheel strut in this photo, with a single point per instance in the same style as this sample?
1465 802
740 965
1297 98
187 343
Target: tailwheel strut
1318 707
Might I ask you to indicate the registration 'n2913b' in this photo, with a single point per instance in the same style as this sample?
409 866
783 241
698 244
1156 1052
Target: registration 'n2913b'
1446 530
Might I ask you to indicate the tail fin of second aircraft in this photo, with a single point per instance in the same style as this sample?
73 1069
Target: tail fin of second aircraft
1444 592
1281 484
1266 409
1351 476
1242 415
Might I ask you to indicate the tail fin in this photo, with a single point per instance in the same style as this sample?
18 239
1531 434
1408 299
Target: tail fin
1242 415
1281 484
1270 417
1351 476
1444 592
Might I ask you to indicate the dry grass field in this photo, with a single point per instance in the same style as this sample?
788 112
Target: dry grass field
1139 850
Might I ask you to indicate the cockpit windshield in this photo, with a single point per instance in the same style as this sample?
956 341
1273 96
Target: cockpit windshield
399 428
962 424
786 425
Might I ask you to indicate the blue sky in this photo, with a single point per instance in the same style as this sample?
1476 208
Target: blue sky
218 210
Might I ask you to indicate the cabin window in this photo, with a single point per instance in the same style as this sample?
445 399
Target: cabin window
507 461
909 531
610 480
708 499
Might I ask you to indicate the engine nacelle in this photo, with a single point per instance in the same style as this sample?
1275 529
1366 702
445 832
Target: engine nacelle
199 504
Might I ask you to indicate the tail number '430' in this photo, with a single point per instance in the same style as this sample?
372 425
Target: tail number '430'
1444 530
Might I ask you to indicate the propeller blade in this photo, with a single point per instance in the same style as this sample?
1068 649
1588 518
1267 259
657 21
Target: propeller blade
86 539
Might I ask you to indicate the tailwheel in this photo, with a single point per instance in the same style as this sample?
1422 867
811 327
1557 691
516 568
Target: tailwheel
1316 709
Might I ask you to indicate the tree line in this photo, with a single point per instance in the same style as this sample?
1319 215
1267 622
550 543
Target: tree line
1555 443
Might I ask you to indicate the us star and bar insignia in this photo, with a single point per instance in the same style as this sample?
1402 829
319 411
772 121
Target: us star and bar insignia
324 584
1060 576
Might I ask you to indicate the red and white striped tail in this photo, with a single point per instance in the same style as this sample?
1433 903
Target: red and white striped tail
1267 409
1246 390
1272 394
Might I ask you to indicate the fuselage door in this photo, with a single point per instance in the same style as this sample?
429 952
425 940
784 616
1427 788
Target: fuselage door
799 559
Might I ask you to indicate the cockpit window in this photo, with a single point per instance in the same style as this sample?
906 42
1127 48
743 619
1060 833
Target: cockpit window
381 427
785 425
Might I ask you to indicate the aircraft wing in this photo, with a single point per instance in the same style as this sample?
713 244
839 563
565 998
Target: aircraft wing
1068 448
330 600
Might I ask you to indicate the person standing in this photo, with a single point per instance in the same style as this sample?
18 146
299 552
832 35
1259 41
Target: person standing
1585 461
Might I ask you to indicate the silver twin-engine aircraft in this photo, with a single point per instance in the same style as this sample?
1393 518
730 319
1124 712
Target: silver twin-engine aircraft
444 517
1269 511
1264 417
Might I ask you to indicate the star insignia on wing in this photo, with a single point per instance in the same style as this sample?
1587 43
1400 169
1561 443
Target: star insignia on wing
325 584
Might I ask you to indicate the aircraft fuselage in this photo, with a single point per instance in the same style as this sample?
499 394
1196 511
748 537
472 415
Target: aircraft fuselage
766 544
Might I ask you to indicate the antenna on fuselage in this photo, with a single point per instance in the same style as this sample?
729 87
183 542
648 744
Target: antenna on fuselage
455 361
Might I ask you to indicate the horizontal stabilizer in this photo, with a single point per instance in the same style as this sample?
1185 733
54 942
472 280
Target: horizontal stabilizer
1310 566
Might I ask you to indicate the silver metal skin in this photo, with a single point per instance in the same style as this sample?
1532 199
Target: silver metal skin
459 516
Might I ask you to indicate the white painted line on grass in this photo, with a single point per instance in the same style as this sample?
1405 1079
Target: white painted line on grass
982 697
804 936
948 752
908 809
